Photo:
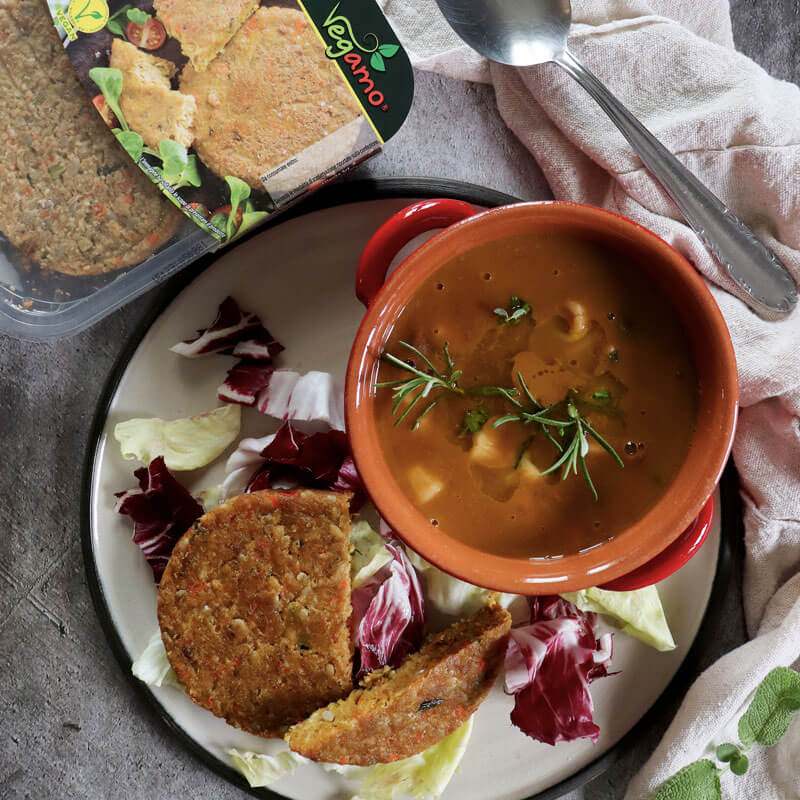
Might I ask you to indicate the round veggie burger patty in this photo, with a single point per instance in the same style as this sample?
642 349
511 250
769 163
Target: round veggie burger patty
404 711
254 607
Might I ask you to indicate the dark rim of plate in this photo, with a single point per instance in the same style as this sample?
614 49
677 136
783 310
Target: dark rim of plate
354 192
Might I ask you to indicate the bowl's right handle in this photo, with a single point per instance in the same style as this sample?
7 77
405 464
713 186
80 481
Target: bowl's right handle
671 559
397 232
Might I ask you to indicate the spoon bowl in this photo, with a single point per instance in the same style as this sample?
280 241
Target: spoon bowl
514 32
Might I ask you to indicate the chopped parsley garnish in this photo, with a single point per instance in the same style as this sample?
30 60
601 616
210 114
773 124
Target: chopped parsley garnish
517 309
601 396
474 420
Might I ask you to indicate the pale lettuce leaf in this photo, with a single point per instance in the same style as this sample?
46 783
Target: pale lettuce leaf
368 553
210 498
420 777
153 667
457 598
639 613
425 775
263 770
185 444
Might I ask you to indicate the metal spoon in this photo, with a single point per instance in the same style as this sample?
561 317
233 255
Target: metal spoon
526 32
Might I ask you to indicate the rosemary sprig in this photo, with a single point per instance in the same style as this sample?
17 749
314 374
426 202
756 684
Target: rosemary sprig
496 391
574 432
421 384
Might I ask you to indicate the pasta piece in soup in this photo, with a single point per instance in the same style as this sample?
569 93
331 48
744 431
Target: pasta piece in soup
578 321
425 485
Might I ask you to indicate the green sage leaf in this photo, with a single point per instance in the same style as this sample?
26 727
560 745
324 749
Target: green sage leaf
772 710
739 765
727 752
696 781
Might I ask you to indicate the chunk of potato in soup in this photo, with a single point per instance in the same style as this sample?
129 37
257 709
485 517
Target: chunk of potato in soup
599 337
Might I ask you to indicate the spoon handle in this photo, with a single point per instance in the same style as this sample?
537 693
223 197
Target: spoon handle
765 283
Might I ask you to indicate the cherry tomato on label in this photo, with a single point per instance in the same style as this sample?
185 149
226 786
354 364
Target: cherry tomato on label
149 36
200 209
99 102
226 209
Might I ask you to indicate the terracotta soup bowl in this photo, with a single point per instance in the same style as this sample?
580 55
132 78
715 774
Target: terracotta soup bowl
673 529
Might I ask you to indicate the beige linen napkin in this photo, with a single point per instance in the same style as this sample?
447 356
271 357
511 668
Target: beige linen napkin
673 64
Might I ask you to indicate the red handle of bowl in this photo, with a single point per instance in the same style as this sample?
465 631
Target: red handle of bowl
671 559
397 232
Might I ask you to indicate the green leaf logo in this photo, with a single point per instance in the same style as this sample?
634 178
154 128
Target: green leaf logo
377 63
88 16
388 50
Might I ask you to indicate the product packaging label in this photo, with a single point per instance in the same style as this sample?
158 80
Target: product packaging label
237 108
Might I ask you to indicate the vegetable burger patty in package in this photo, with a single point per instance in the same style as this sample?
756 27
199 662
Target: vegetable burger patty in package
72 200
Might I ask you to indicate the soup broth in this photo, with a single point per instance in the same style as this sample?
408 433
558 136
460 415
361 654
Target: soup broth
592 340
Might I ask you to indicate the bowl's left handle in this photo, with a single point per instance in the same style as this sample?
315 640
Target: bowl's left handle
397 232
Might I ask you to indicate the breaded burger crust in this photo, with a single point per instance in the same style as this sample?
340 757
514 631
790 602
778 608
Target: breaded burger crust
270 94
404 711
254 607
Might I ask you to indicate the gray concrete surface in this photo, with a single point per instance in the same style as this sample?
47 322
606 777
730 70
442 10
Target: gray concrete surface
71 726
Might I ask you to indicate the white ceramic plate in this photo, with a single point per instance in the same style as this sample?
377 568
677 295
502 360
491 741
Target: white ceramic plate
299 276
